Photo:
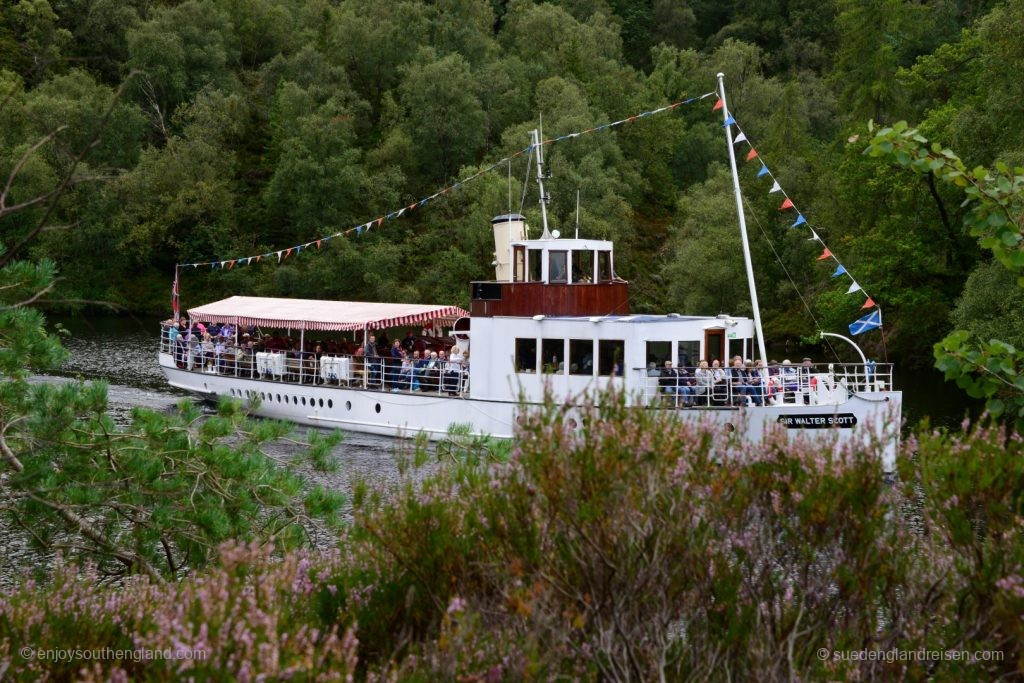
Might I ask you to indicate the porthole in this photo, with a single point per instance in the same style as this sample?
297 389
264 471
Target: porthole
263 396
303 400
348 405
321 402
279 398
377 408
330 403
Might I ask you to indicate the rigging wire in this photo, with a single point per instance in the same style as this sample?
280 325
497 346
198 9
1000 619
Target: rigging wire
526 179
751 212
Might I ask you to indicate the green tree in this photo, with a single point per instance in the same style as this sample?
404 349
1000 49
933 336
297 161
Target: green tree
992 369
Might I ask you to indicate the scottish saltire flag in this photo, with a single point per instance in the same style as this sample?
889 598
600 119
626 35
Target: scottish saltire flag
869 322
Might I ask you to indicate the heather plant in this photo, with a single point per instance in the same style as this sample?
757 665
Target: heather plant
635 546
250 617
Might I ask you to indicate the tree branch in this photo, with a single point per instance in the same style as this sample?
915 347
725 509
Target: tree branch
68 177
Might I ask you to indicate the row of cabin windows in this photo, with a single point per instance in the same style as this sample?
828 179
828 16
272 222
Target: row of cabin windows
580 354
528 265
610 353
684 354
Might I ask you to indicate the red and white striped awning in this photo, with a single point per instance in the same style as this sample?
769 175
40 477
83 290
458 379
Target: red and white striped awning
313 314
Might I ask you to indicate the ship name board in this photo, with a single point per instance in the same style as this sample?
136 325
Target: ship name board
841 420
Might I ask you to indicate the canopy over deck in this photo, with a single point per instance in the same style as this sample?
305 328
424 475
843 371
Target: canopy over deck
314 314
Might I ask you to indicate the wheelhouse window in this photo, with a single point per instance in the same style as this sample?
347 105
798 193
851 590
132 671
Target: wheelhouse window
526 355
689 354
604 266
519 263
553 356
534 264
582 265
610 354
558 266
581 357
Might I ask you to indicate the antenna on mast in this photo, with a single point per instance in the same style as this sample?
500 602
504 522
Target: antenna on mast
743 220
577 213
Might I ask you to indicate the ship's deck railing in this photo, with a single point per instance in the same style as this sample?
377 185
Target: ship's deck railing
378 373
820 384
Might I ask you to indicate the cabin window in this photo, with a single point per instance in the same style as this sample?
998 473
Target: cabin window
581 357
689 354
610 354
526 355
534 265
604 266
519 263
553 356
582 265
658 352
558 266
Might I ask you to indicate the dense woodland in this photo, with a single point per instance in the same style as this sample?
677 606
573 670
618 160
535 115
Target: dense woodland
210 129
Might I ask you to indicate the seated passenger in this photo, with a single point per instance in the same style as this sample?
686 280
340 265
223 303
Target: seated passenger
418 364
705 381
404 378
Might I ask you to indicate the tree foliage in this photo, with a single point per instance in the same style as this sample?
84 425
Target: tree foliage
250 125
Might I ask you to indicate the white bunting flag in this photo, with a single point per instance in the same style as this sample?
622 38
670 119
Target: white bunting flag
740 138
775 187
814 236
853 288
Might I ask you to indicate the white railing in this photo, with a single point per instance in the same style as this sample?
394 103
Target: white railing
378 373
778 385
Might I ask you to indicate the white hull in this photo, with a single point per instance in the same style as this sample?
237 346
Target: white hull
406 414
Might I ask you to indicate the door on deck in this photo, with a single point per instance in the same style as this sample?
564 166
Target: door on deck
714 345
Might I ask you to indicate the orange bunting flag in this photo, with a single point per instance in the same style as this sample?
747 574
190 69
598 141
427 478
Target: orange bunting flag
825 254
786 205
380 220
718 105
752 154
318 244
869 303
287 253
231 264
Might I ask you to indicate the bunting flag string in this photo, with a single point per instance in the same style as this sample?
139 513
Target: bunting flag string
359 230
868 322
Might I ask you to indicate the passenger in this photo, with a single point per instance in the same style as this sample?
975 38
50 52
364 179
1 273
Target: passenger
755 382
418 366
432 372
652 369
409 343
394 362
806 381
373 365
790 380
720 388
688 387
738 382
403 378
671 383
705 382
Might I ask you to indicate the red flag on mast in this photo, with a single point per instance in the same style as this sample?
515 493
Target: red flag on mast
751 154
869 303
825 254
718 105
786 205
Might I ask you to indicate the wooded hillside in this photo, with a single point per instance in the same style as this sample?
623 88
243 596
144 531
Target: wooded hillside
247 126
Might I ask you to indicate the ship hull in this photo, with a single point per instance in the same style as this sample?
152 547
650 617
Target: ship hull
874 416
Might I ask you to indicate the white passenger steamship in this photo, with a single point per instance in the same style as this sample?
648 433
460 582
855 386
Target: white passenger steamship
556 318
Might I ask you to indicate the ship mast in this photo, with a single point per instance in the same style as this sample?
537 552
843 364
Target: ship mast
743 221
540 183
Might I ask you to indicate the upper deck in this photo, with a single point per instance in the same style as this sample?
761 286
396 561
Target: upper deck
549 276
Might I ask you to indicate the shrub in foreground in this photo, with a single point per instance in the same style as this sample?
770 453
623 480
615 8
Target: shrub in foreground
636 547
